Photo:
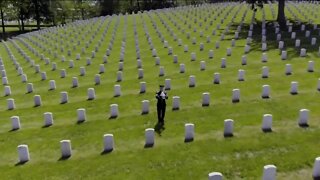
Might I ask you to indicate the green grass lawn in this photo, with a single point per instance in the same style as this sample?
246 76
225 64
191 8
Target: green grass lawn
291 148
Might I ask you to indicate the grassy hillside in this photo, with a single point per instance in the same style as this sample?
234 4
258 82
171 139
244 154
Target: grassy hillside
291 148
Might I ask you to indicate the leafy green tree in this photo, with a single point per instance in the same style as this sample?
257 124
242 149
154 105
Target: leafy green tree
281 18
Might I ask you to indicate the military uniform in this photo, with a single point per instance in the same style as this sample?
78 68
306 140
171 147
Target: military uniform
161 105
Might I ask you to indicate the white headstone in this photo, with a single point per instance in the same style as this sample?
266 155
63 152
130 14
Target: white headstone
81 113
229 51
145 107
313 41
267 123
167 84
193 56
5 81
91 94
269 172
202 65
241 74
303 52
64 97
23 152
208 39
97 79
205 99
170 51
244 60
149 135
119 76
117 90
48 119
175 103
293 35
189 132
114 112
210 54
24 78
101 68
15 121
29 88
215 176
75 82
228 128
143 87
247 48
235 95
192 81
175 59
154 52
139 63
120 68
71 64
264 58
54 66
108 142
316 168
63 73
283 55
310 66
223 63
10 104
186 48
303 117
20 71
278 37
37 68
52 85
294 88
297 43
161 71
182 68
318 86
264 46
194 40
7 91
288 69
281 45
43 76
307 34
265 72
88 62
82 71
217 44
265 91
37 100
216 78
66 151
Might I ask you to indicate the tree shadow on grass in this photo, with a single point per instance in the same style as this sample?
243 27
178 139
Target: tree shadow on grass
271 38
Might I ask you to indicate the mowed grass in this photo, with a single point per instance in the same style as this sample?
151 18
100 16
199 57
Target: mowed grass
291 148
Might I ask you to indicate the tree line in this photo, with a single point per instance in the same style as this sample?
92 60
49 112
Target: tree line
56 12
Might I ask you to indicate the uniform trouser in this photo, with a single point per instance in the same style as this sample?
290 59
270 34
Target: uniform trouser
161 110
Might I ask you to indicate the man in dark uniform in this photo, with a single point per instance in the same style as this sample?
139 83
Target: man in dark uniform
161 96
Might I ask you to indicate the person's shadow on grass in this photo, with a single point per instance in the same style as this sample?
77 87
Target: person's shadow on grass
159 128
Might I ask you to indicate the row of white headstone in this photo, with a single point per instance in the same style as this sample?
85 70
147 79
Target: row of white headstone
270 172
266 126
176 100
66 150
